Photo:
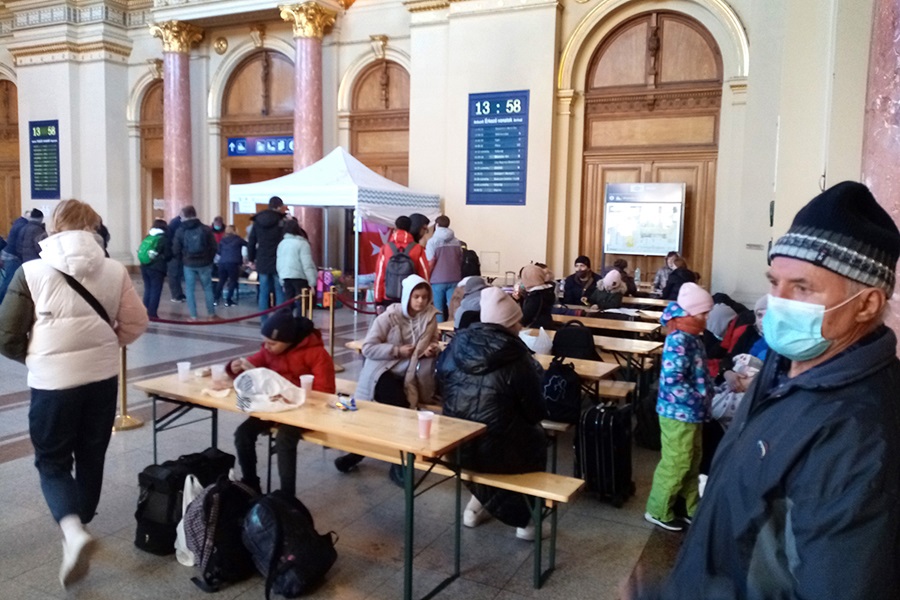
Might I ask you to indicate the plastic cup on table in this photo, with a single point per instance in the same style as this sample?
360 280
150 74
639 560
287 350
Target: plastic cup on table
306 382
218 373
426 417
184 370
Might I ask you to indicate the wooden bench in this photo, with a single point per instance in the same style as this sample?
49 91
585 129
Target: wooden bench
616 390
547 490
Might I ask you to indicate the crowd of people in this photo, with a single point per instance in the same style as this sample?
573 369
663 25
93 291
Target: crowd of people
788 407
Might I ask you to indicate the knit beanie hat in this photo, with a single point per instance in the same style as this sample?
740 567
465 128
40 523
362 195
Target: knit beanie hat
497 307
612 282
283 326
694 299
846 231
36 215
474 284
583 260
533 276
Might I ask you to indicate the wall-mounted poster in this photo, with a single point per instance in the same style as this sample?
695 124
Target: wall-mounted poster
43 142
498 148
643 218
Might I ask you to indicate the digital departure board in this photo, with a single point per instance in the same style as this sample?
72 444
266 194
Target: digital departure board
498 148
43 137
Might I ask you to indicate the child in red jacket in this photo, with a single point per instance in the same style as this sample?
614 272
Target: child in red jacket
291 347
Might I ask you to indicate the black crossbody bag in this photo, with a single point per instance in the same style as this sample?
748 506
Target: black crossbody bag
88 297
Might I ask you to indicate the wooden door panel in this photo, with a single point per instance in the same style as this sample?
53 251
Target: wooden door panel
597 174
10 198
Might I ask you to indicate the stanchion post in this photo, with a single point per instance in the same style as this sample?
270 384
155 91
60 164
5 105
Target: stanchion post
312 302
333 297
123 420
304 293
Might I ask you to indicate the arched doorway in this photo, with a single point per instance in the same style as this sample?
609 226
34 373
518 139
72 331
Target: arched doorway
379 130
152 197
10 180
652 102
258 101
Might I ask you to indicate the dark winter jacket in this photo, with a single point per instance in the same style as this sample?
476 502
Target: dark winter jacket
574 290
164 254
262 245
488 375
28 246
201 259
677 278
537 307
803 500
230 249
171 232
12 240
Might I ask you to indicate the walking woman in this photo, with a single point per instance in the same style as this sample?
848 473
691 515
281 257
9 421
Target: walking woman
65 316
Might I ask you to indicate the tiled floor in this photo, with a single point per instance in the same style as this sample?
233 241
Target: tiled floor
599 546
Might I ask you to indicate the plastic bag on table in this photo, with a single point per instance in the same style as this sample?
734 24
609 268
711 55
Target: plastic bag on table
264 390
540 343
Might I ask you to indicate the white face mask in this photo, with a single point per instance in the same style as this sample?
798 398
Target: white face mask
794 329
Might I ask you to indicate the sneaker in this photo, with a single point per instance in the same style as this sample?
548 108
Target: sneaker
76 559
527 533
215 303
347 463
674 525
175 300
687 521
475 514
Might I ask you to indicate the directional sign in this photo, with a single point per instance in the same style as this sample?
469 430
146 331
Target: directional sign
261 146
498 148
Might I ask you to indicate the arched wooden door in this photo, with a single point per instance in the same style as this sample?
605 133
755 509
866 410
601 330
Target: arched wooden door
258 102
652 102
10 180
152 198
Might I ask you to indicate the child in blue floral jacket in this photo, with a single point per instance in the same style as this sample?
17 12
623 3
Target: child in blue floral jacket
685 391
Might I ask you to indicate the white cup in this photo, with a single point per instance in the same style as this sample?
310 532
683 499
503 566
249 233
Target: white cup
306 382
218 373
426 417
184 370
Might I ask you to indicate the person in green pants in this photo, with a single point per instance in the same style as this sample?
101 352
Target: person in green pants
685 391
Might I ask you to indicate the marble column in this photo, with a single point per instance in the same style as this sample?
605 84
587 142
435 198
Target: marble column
310 20
177 37
881 136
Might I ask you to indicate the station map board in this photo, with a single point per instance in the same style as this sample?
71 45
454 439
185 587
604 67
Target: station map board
645 219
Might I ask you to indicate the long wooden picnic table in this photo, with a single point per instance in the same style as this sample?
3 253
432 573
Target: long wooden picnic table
638 328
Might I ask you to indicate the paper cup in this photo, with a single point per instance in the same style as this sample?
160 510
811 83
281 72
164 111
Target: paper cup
218 373
426 417
306 382
184 370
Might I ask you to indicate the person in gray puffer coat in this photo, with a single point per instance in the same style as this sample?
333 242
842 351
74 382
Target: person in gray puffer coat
487 375
471 300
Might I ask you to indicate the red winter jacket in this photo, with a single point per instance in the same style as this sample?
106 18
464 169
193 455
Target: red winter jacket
309 357
416 252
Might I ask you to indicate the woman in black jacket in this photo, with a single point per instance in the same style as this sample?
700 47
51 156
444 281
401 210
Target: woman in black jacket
677 278
537 298
487 375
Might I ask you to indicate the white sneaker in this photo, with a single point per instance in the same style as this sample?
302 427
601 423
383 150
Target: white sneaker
76 558
474 514
527 533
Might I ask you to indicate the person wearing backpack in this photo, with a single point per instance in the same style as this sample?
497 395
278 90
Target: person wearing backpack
262 251
291 347
391 270
230 261
12 260
154 255
487 375
195 244
175 270
399 352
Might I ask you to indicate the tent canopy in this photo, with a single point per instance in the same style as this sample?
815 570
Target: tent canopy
340 180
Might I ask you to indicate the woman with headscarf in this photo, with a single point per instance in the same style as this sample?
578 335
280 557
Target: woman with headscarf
66 316
488 375
609 292
537 296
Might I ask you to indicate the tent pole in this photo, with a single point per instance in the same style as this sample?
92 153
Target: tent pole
357 225
326 250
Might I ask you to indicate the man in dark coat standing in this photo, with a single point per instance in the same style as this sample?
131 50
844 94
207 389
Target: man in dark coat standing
262 247
175 267
803 499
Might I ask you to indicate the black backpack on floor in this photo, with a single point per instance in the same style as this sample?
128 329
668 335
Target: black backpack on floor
574 340
562 391
161 488
286 548
212 531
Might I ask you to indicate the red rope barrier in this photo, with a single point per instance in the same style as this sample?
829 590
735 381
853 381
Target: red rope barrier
353 305
225 321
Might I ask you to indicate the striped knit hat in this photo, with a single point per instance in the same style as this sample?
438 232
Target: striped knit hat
846 231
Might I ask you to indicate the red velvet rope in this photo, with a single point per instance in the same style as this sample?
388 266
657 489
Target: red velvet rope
224 321
353 305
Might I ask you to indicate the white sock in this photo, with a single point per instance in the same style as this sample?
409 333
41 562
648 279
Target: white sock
72 528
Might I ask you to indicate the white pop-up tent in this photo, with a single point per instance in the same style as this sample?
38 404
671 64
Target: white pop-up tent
340 180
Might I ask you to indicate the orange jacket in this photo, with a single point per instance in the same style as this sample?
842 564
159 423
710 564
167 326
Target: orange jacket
416 252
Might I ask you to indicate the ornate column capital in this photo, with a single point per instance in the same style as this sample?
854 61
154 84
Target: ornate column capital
177 36
310 19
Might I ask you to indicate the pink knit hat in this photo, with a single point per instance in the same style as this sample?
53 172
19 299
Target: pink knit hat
497 307
694 299
612 282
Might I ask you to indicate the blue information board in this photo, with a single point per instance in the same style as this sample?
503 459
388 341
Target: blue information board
261 146
43 138
498 148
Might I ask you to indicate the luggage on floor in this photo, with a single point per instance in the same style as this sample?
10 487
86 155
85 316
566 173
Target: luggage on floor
212 528
161 488
603 452
286 548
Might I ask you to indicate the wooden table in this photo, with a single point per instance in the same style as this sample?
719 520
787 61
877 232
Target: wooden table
387 427
640 301
631 327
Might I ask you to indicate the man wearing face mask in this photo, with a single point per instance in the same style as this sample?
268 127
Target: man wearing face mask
803 500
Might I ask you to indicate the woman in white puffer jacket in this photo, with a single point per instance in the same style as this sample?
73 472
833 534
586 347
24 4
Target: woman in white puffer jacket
72 354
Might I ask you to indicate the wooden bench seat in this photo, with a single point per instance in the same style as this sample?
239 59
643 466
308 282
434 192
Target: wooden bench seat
619 390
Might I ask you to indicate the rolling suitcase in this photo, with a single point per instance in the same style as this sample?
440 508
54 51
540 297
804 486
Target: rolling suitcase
603 452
